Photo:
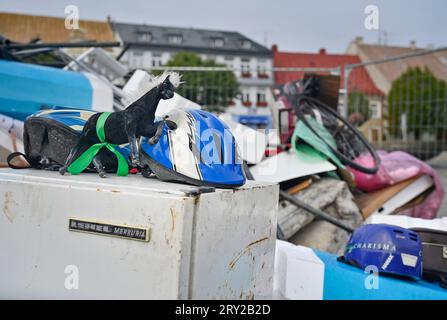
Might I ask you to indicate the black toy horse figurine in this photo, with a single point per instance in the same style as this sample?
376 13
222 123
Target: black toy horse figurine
128 125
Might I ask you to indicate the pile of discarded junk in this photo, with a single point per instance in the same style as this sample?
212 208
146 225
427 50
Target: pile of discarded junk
343 206
344 197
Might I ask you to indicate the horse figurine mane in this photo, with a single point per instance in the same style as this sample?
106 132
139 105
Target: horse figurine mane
146 86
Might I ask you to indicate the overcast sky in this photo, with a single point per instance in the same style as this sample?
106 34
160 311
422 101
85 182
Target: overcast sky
295 25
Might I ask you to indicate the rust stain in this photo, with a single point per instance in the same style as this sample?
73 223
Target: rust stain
172 219
233 262
7 206
256 242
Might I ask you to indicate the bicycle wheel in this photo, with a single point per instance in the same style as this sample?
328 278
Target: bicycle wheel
350 143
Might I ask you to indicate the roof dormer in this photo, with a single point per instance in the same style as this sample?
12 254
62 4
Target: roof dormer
245 44
144 36
175 38
217 42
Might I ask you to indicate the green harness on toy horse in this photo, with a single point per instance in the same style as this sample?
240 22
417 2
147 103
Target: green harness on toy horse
86 158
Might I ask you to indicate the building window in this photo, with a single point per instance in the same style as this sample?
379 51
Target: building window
262 70
217 42
246 99
374 110
137 59
261 100
229 62
175 38
245 44
144 36
245 68
156 60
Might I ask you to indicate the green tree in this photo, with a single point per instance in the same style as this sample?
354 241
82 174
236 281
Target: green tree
423 98
214 90
358 104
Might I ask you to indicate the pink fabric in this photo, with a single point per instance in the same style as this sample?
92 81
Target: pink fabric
395 167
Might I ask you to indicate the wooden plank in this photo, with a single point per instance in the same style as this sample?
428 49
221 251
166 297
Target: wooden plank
370 202
299 187
329 88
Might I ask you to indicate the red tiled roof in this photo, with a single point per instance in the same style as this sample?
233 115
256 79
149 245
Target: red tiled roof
359 80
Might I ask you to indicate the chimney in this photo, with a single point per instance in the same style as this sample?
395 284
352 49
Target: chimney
413 44
322 51
275 48
358 40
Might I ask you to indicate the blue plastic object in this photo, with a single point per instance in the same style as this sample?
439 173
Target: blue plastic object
391 249
345 282
26 89
200 151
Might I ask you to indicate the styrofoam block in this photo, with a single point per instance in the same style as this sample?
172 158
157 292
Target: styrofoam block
299 273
